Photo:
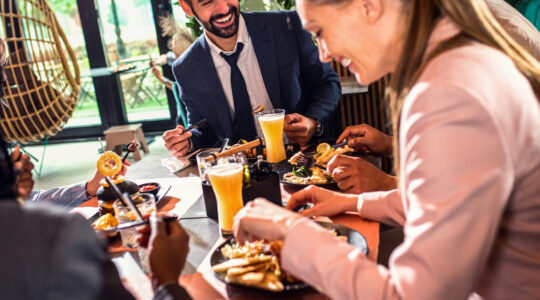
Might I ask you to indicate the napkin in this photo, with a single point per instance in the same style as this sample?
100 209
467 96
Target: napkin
174 164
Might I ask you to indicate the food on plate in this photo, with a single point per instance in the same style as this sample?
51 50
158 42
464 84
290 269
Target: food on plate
109 164
149 187
305 175
250 153
106 195
325 153
105 222
297 158
146 188
254 264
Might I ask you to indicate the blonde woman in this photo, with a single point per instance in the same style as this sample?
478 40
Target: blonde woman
464 99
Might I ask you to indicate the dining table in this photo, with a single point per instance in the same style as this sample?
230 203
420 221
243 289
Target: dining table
185 201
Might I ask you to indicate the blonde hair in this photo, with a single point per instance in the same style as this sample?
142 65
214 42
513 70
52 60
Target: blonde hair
180 39
476 22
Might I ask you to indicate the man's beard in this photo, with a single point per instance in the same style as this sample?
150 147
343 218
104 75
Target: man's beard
222 32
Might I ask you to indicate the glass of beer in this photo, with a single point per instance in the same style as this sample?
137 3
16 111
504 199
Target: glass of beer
272 127
225 175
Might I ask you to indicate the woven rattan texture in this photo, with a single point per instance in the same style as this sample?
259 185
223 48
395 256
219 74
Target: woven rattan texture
43 77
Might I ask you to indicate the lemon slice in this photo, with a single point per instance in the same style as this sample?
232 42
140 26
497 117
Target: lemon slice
323 149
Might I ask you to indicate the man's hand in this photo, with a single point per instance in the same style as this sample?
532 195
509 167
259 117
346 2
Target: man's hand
22 167
299 129
177 141
168 245
364 138
355 175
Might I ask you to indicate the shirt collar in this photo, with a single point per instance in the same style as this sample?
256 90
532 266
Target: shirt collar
241 37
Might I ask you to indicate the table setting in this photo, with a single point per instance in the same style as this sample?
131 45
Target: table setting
204 197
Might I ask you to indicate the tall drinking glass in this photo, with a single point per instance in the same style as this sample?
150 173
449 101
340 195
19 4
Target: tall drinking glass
272 127
225 175
146 203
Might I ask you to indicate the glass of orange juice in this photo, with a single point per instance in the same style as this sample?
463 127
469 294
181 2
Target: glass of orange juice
272 127
225 175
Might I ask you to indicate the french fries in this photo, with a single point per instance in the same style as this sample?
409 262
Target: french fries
324 159
254 264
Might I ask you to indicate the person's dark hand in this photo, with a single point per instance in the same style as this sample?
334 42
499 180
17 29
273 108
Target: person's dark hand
22 167
364 138
356 175
168 246
326 202
299 129
177 141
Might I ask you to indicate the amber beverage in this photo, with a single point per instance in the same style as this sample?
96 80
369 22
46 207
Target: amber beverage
226 181
272 126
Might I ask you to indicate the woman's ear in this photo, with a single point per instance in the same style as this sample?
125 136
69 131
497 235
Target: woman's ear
371 10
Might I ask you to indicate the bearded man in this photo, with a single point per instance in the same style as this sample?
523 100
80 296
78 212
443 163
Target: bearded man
244 60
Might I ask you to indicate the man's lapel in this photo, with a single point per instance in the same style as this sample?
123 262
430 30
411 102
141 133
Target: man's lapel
213 91
265 50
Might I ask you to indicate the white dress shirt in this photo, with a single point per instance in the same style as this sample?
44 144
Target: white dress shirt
249 67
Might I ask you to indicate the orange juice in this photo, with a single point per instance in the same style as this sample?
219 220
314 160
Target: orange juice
226 181
272 127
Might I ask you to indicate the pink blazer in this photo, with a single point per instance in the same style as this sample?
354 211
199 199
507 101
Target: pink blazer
470 197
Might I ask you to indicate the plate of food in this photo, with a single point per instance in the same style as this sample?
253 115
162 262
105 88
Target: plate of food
256 265
309 167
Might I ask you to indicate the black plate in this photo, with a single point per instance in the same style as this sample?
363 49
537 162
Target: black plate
354 238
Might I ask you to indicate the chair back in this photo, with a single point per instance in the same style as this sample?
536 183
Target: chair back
43 77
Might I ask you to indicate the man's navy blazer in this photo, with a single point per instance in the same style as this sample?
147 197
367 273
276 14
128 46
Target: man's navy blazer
294 77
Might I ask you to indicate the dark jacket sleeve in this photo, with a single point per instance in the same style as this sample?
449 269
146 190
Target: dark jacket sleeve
202 137
320 81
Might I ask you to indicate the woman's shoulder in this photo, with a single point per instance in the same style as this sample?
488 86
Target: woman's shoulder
471 65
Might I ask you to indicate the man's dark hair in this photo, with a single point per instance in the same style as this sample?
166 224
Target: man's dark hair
7 176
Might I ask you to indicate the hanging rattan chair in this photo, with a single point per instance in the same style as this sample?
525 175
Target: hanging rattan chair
43 78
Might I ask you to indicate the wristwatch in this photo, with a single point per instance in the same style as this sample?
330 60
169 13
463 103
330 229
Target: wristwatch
319 128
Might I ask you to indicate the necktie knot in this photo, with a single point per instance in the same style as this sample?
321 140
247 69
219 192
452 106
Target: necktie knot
233 58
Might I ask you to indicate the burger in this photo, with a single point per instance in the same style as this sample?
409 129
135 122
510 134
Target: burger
106 195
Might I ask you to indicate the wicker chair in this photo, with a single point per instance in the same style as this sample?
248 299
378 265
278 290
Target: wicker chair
43 78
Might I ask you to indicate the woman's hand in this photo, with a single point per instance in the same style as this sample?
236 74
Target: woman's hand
364 138
261 219
326 202
356 175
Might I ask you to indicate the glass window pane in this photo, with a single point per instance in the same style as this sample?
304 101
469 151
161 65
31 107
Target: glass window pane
130 37
86 112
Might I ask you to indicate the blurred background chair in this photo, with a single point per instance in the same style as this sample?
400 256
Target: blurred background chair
43 75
